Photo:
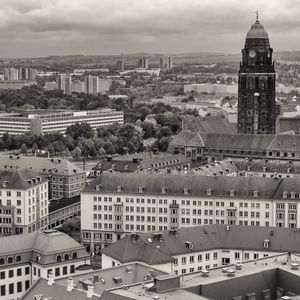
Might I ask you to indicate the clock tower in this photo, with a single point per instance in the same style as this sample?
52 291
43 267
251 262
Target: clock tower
256 88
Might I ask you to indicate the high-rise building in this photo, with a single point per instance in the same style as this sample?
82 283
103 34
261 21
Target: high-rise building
256 90
121 64
166 62
88 84
11 74
27 74
65 83
144 63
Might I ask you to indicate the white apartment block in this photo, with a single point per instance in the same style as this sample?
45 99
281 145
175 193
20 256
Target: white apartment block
211 88
190 250
26 258
57 122
116 204
24 201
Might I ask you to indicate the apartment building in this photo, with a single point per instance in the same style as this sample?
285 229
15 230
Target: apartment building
115 204
199 248
26 258
24 201
65 179
42 123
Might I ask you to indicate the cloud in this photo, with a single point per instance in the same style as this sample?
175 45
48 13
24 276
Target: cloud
139 25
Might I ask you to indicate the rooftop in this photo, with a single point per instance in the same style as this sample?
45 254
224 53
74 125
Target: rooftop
13 178
194 185
59 166
171 243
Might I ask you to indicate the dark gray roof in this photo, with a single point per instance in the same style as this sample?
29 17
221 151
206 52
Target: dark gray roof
209 124
287 142
187 138
209 237
268 188
58 166
17 178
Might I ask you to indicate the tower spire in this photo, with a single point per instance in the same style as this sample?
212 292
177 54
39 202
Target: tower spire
257 20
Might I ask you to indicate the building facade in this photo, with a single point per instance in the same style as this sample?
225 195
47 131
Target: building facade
57 122
24 201
48 254
256 88
65 179
116 204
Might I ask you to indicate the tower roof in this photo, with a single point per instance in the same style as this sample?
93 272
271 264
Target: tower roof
257 31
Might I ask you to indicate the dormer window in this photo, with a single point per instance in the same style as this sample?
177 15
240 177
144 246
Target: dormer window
232 192
256 193
284 194
119 188
186 191
163 190
293 195
97 173
4 183
189 244
264 169
266 243
98 187
209 191
141 189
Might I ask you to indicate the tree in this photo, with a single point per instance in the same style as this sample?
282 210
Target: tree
80 130
23 149
34 148
76 154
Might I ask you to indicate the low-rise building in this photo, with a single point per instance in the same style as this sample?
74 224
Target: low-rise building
65 179
190 250
26 258
24 201
116 204
63 209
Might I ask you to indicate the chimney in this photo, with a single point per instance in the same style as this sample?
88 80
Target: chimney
90 291
70 283
50 278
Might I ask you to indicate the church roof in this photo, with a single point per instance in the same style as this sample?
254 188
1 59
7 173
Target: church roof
257 31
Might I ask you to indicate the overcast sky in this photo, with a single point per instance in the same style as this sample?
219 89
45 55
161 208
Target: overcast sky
31 28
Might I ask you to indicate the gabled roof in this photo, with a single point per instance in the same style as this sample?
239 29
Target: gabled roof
240 141
188 138
287 142
196 185
17 178
42 242
285 124
173 160
206 238
129 251
209 124
59 166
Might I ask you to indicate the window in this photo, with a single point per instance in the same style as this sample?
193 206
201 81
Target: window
9 259
19 286
183 260
65 270
237 255
199 257
27 270
11 273
57 271
207 256
11 288
58 258
72 269
27 284
2 290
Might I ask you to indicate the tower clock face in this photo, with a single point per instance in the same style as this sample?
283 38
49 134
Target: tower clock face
252 54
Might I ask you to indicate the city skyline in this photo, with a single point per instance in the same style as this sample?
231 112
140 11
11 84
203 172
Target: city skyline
40 28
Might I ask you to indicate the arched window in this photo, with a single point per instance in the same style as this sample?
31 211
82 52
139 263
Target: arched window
37 259
67 257
74 255
58 258
18 258
2 261
10 260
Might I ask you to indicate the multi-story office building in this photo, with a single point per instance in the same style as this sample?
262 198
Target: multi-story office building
65 179
26 258
14 84
24 201
41 123
27 74
65 84
116 204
